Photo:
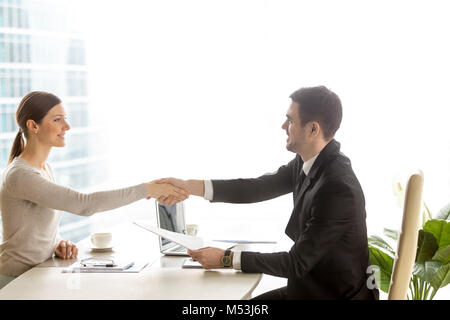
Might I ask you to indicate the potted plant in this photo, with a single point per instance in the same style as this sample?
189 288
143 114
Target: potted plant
432 264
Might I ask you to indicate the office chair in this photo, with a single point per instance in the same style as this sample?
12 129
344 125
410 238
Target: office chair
407 241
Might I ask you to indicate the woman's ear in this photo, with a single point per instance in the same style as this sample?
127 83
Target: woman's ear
32 126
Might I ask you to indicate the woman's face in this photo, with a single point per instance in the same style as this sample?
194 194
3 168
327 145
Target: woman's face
53 127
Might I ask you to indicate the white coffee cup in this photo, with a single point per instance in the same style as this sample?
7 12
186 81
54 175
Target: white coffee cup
102 239
192 229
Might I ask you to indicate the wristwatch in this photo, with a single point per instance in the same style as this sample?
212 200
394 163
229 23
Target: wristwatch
226 259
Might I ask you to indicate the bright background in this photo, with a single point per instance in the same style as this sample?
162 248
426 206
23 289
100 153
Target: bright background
199 89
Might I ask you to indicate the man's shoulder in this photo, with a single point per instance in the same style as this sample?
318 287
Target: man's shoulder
338 171
340 164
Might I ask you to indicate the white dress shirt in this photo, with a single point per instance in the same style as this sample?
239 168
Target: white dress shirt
209 194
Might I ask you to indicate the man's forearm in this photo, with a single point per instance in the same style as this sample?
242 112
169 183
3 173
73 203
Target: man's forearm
196 187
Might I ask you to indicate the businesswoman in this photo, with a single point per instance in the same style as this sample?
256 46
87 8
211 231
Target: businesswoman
29 195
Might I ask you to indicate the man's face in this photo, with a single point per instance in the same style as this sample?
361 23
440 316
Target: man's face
297 135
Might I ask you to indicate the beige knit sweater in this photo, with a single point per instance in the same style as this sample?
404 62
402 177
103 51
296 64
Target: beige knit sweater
29 198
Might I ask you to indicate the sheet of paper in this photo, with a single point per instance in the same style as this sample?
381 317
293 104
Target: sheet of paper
219 244
189 263
136 268
184 240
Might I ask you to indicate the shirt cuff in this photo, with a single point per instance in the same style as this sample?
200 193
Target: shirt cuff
209 192
237 260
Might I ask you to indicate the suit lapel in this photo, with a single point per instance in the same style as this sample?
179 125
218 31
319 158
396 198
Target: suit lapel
303 188
330 151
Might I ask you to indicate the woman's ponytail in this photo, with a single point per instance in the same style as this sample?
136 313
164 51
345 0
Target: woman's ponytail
17 146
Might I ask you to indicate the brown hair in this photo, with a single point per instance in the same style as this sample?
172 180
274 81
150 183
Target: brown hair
34 106
319 104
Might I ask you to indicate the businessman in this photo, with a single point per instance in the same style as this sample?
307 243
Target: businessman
330 257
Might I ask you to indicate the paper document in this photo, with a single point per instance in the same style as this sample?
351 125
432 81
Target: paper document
184 240
189 264
130 268
247 241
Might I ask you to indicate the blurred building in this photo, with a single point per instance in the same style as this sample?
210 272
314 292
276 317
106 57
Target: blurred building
41 49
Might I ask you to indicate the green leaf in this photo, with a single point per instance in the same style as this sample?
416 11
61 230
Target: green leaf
442 255
399 192
377 241
426 213
385 263
444 213
393 234
427 271
440 229
442 277
427 246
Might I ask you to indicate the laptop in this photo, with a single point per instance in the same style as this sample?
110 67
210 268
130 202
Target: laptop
171 218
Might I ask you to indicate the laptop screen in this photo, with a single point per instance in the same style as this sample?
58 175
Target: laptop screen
170 218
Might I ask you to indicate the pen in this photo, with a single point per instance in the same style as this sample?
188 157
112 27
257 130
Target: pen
98 265
128 267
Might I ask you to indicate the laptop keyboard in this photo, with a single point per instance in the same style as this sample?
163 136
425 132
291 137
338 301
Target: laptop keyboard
179 249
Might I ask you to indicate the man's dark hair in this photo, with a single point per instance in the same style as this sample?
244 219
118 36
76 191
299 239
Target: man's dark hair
319 104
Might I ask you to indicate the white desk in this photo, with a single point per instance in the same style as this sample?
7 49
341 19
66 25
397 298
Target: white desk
163 278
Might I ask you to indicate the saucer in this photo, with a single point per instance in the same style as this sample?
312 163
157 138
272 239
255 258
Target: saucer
96 249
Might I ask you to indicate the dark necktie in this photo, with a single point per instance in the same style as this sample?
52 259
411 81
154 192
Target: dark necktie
302 178
300 182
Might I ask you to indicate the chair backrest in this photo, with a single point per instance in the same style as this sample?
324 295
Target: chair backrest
407 240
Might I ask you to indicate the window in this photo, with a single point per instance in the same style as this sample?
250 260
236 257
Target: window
2 16
2 48
50 56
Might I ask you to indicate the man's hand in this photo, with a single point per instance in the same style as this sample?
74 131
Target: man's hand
165 190
66 250
193 187
209 257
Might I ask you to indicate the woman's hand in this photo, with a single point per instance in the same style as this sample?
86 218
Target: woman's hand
165 190
194 187
66 250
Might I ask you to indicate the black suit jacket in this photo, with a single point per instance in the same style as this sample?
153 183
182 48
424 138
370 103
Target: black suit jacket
330 256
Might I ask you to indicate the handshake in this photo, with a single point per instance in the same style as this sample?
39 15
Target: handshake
170 190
